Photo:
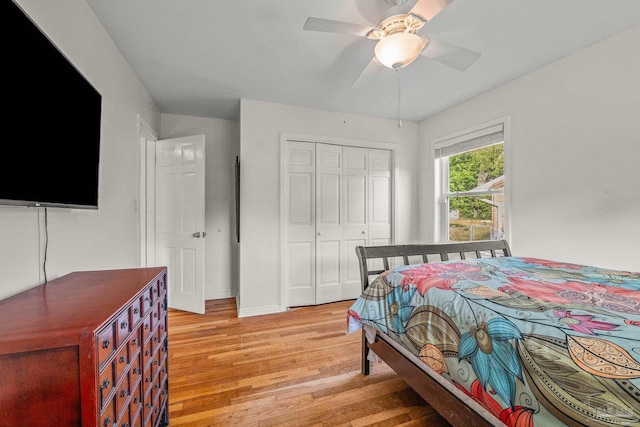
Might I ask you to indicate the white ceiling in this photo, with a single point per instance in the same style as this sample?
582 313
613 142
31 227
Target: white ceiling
200 57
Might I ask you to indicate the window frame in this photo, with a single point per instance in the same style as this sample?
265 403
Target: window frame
441 173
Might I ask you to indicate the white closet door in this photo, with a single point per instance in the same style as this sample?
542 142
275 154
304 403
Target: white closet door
356 222
300 247
379 197
379 208
335 198
328 223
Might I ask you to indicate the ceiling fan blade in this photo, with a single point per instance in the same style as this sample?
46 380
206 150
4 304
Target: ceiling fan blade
375 11
427 9
449 54
365 76
330 26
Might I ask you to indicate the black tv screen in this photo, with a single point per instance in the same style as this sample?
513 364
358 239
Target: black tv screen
51 149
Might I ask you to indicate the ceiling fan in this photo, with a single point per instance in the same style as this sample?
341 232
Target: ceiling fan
399 37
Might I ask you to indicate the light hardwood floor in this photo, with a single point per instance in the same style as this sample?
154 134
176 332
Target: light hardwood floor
298 368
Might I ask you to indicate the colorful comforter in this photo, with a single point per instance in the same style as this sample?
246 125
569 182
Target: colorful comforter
535 342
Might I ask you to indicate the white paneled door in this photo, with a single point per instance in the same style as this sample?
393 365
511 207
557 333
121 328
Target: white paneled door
328 223
335 198
356 214
300 217
180 228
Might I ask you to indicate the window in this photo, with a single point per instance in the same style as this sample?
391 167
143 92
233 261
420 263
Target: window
471 168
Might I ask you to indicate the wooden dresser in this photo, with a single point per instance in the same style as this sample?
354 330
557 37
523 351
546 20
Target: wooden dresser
89 348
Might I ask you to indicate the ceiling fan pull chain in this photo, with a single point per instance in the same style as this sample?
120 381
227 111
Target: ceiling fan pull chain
398 82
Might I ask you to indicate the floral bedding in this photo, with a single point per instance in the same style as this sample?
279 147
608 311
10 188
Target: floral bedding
535 342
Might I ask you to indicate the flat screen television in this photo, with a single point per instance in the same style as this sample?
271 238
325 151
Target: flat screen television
50 153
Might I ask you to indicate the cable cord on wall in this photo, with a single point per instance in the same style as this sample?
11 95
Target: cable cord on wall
46 246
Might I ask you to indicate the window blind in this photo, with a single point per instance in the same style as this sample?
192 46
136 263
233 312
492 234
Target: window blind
470 141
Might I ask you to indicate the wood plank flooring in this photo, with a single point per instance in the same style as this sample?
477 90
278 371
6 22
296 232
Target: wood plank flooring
298 368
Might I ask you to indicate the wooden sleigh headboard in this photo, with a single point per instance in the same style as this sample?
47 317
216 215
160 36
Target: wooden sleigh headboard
459 250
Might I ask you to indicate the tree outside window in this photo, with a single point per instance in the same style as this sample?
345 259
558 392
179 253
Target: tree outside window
472 186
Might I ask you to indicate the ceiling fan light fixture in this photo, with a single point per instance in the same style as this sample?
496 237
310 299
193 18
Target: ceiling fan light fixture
398 50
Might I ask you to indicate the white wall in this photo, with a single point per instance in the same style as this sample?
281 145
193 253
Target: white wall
83 240
574 171
222 145
261 125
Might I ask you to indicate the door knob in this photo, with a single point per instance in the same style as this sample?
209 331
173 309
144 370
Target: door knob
196 234
364 232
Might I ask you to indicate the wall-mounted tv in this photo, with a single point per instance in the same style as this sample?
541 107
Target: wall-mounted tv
50 153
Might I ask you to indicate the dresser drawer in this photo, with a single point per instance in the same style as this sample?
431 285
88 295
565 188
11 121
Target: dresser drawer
124 420
155 292
135 372
123 327
105 343
106 383
108 415
135 404
147 354
147 301
136 312
147 409
146 328
121 362
135 343
122 394
162 285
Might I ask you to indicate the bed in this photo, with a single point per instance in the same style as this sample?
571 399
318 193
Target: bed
489 339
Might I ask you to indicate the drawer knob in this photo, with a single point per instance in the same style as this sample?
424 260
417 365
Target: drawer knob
122 359
107 421
106 383
124 325
136 400
106 343
136 310
136 371
123 393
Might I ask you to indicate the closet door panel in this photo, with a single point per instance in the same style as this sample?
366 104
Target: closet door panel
356 216
300 246
328 223
336 198
379 196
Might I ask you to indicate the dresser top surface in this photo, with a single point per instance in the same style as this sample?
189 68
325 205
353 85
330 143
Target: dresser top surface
77 303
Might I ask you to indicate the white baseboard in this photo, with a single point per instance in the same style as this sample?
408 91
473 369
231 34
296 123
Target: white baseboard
257 311
219 295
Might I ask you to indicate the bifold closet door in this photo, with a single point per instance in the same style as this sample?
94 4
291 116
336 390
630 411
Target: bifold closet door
336 198
300 221
329 250
356 216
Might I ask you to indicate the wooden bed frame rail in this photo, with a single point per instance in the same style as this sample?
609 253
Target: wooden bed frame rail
442 400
